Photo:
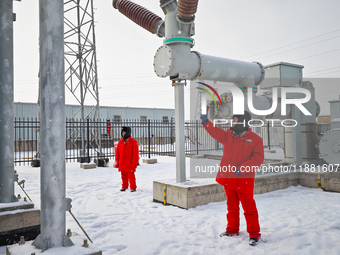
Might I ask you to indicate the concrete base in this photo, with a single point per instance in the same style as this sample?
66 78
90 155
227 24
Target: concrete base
88 165
150 160
329 182
197 156
18 219
203 191
270 182
102 162
77 248
189 194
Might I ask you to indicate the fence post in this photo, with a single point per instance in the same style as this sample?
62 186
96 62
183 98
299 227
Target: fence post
171 128
268 135
149 137
197 136
88 140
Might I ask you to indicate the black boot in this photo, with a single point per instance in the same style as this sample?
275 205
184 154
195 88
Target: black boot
228 234
254 241
122 189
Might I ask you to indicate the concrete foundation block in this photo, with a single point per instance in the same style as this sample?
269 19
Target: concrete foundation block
150 160
271 182
329 181
197 156
203 191
18 219
88 165
15 206
189 194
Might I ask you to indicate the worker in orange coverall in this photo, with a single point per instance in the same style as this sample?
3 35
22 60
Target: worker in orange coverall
243 153
126 159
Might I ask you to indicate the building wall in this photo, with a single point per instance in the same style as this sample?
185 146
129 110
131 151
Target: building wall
30 110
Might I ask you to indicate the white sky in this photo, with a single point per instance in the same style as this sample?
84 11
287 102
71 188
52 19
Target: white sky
296 31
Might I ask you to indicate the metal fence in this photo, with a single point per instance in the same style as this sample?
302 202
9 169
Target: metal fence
90 140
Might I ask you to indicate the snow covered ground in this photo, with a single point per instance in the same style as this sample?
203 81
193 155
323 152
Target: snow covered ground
296 220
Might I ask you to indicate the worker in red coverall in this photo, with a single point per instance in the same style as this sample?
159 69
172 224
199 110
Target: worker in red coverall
126 159
242 154
108 127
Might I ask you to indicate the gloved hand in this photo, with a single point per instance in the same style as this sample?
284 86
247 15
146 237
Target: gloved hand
204 117
238 172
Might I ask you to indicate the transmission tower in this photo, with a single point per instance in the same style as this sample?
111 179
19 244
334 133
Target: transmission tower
81 76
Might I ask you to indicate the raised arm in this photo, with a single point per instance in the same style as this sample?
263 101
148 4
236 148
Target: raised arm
215 132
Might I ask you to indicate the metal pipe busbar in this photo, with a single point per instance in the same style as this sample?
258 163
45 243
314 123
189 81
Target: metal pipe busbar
176 60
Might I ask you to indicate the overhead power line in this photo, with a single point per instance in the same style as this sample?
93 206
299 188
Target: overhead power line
300 47
323 74
293 43
323 70
314 55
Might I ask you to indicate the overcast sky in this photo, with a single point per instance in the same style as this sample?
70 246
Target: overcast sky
304 32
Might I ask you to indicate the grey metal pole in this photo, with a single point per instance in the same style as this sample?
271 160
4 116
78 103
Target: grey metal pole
268 132
197 137
296 132
179 132
53 182
6 103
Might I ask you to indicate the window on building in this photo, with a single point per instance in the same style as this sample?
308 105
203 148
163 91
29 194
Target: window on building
143 119
165 119
117 119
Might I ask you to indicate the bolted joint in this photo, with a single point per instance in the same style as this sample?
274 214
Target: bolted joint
67 204
22 240
16 176
86 245
185 20
69 232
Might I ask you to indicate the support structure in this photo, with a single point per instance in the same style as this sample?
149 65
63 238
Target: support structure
296 131
7 177
81 76
179 131
54 204
176 60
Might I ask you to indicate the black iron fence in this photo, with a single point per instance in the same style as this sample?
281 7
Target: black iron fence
90 140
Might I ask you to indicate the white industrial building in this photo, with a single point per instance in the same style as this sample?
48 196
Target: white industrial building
30 110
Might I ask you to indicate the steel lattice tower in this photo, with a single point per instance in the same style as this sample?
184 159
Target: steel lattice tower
81 76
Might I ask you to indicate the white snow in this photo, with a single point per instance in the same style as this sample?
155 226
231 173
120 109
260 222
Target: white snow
296 220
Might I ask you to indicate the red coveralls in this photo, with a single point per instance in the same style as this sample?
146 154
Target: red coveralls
245 153
108 127
126 160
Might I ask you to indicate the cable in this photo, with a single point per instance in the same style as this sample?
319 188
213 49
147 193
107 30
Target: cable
323 70
324 74
299 47
314 55
295 43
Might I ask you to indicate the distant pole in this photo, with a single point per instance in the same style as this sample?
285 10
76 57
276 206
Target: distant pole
149 138
197 136
88 139
268 135
6 103
52 175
